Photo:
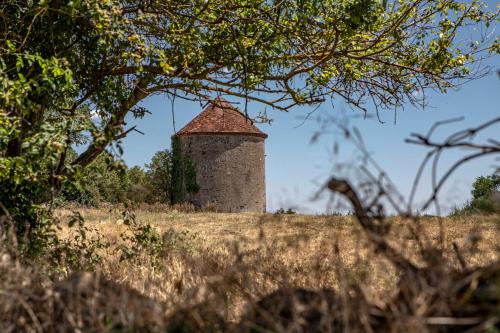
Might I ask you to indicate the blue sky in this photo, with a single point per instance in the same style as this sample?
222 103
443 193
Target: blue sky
295 168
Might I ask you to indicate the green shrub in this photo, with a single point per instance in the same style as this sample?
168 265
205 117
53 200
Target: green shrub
482 202
483 187
81 250
145 239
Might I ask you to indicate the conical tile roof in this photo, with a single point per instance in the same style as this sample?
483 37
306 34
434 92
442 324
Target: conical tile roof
220 117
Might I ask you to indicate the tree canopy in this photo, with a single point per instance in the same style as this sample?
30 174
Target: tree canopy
483 187
62 59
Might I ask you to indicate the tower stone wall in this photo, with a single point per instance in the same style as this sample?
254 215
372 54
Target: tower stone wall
230 170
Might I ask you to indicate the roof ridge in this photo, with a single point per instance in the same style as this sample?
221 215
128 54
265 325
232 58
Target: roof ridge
221 116
231 106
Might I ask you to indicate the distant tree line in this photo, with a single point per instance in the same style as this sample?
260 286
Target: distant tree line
107 181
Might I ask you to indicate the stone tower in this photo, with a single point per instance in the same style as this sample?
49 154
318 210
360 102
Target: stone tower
227 151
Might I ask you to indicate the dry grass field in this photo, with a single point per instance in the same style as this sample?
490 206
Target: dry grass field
232 259
161 270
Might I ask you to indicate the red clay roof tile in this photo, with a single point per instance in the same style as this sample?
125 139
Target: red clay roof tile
220 117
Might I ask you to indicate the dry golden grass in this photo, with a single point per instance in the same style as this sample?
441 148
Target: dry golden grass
215 272
231 259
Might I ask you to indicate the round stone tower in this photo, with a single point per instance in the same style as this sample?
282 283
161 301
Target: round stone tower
227 151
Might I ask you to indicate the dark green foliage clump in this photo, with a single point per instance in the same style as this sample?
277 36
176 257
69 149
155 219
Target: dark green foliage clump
483 187
104 180
159 176
139 189
183 174
485 196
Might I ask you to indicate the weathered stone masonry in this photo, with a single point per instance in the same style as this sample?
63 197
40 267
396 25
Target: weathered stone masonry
230 170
